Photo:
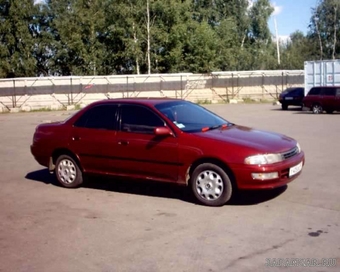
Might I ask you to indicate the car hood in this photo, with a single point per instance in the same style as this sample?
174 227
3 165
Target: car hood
259 140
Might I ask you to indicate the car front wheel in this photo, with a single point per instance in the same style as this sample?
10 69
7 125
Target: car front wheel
284 106
68 172
317 109
211 185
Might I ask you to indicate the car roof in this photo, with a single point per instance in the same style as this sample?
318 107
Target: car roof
138 100
327 87
294 88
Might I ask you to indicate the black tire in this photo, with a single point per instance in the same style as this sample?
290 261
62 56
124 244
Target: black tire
214 191
284 106
317 109
67 172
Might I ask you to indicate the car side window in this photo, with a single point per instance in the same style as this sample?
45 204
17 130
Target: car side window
338 92
300 92
328 91
99 117
138 119
314 91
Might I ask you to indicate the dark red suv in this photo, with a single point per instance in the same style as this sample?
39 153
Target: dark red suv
166 140
321 99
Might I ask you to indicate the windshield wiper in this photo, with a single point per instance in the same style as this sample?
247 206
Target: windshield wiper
221 126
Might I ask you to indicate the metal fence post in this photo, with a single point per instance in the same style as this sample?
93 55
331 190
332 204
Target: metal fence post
181 88
262 85
70 100
232 86
127 86
14 104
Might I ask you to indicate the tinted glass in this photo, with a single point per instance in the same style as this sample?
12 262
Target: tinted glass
314 91
139 119
300 92
189 117
296 92
338 92
287 91
328 91
99 117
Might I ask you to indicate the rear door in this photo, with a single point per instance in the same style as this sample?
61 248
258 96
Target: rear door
328 98
337 99
313 96
93 139
141 152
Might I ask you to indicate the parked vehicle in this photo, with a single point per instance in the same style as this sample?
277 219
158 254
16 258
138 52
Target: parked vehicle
321 99
166 140
291 97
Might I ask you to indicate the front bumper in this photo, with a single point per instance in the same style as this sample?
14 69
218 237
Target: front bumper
244 180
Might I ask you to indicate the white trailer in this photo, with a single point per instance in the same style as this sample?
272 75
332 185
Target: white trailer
321 73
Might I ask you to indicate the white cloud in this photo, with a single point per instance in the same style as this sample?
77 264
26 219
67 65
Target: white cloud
282 39
277 9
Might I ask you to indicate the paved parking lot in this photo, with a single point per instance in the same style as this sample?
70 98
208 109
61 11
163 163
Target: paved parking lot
111 225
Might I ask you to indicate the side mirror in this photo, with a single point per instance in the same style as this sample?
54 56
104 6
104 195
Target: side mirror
162 131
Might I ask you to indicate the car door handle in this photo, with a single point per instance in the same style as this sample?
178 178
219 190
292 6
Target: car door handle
76 138
123 142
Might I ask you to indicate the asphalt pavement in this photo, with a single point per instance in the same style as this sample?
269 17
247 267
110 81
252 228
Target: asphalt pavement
118 225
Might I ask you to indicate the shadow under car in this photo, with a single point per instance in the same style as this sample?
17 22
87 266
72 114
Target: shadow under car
156 189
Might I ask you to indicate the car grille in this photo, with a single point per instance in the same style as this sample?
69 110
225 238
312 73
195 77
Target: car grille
290 153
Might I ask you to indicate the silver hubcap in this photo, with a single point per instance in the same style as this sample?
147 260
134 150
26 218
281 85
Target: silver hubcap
209 185
67 171
317 109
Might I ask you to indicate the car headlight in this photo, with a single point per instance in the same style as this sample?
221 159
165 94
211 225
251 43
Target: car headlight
263 159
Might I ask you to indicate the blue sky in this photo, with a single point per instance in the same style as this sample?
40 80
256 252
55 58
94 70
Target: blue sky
291 15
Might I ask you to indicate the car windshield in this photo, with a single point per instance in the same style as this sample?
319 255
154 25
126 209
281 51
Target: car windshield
190 117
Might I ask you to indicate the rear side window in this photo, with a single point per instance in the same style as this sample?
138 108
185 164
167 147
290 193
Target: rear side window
297 91
314 91
328 91
99 117
300 92
138 119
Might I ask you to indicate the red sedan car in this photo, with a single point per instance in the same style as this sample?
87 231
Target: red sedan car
166 140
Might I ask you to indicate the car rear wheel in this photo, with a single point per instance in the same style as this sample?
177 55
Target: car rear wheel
284 106
211 185
68 172
317 109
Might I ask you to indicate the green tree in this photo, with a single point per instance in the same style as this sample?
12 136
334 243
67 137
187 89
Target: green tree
17 43
296 51
77 27
260 37
325 28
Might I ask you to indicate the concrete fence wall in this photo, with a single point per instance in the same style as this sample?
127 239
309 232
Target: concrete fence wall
60 92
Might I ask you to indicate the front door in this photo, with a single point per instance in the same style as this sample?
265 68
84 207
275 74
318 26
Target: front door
141 152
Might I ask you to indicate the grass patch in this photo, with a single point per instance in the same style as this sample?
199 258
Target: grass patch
77 107
249 100
203 102
39 110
